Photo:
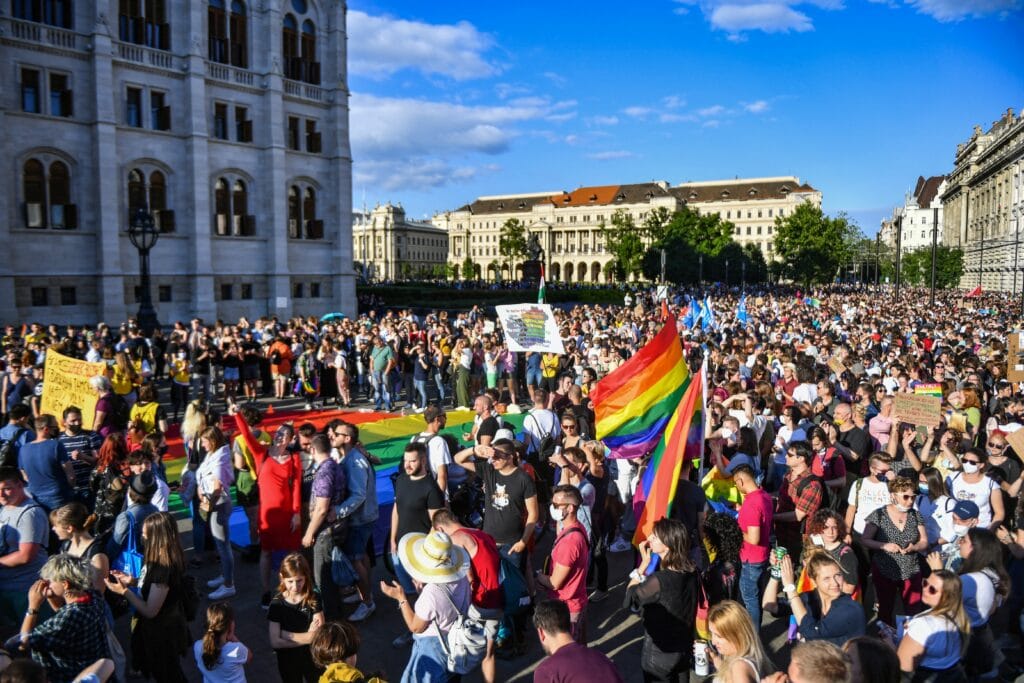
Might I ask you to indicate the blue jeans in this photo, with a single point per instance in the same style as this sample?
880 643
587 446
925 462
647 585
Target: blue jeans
439 380
404 580
198 529
381 394
428 663
750 589
220 529
421 391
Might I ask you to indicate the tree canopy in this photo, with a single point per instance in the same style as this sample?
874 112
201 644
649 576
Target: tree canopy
916 266
624 241
512 242
813 246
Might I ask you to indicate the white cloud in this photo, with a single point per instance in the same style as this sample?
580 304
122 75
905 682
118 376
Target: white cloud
768 17
713 110
507 90
610 155
379 46
673 102
416 174
756 107
955 10
675 118
555 78
637 112
713 123
559 118
603 120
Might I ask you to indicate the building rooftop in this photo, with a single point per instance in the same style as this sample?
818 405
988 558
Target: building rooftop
740 189
925 191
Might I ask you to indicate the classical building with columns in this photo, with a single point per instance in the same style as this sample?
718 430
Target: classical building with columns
389 246
568 224
983 205
227 120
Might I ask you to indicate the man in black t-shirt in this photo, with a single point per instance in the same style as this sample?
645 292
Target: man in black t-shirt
417 498
509 496
486 423
251 353
851 441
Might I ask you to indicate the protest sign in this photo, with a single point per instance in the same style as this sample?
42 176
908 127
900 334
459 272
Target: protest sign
931 389
921 410
66 383
1016 441
1014 357
530 327
836 366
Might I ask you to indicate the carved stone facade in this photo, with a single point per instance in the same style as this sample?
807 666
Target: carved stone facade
983 205
387 246
175 107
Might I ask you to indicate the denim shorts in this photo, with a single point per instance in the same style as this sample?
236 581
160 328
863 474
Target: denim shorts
231 374
355 542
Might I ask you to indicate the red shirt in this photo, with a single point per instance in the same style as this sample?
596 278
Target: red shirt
756 511
486 565
571 549
828 464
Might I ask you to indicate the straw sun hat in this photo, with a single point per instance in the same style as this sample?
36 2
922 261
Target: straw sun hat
432 558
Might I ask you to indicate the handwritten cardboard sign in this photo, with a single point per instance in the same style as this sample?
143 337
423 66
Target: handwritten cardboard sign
1016 441
67 384
1014 357
836 366
916 409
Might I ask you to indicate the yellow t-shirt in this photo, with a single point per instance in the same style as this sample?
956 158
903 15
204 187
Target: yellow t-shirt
146 413
179 371
549 365
122 381
242 449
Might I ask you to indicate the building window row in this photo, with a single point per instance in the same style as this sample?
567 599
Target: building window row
158 116
299 290
227 291
46 92
51 12
144 22
295 137
67 296
227 32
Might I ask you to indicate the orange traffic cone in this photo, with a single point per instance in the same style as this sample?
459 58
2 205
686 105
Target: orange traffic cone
270 409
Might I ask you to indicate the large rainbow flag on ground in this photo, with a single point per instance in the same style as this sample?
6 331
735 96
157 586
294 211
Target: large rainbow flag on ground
634 403
681 444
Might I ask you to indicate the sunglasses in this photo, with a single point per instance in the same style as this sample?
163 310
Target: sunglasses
973 462
568 426
907 496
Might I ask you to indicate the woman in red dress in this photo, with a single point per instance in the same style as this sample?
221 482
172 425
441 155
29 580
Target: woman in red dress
279 477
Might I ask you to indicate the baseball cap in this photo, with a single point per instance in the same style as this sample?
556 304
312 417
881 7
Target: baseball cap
966 509
740 459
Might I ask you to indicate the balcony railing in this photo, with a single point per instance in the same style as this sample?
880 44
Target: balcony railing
139 54
32 32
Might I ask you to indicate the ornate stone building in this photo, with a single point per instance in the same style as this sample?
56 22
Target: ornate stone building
983 204
568 224
388 246
226 119
920 215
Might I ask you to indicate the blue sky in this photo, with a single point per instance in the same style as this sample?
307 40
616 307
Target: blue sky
452 100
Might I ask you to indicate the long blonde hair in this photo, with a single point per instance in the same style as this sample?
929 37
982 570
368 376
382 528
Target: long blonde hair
951 605
731 620
195 420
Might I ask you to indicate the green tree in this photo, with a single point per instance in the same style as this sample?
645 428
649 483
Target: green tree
757 267
707 233
452 271
624 241
686 237
467 268
512 242
813 246
916 267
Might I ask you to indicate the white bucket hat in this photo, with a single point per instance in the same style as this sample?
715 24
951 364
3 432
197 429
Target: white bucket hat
432 558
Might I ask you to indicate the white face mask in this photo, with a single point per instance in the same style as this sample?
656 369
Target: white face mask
970 468
817 540
904 508
556 513
960 529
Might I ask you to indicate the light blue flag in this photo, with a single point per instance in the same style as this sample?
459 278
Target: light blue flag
741 311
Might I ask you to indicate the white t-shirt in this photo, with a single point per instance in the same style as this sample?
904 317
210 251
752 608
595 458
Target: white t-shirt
162 495
539 423
940 638
868 497
437 453
979 593
980 492
434 606
938 516
230 666
805 393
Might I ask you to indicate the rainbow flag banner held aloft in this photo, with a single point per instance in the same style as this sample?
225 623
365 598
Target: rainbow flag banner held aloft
934 389
681 444
633 404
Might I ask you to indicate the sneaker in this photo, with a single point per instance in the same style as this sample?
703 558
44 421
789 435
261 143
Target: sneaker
620 545
215 582
265 600
598 596
223 592
363 611
401 641
352 598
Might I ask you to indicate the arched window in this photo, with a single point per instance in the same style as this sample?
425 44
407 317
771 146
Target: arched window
144 22
308 41
34 182
217 32
222 206
239 209
294 213
299 48
60 194
53 12
136 192
314 227
290 37
228 33
157 192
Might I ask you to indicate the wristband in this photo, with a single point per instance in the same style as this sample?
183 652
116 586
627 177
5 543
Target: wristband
402 602
789 588
637 576
31 612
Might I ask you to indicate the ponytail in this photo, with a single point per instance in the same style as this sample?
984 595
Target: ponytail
219 619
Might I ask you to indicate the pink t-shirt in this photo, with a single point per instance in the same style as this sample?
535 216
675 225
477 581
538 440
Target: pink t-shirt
571 550
756 511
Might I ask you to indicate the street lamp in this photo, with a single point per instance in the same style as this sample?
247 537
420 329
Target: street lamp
743 280
143 233
700 258
727 273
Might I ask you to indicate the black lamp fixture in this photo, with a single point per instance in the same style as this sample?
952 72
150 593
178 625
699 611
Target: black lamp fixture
143 233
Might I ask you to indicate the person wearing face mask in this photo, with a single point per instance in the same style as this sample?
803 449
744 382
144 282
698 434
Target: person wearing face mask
896 533
974 484
565 573
962 519
867 495
1005 470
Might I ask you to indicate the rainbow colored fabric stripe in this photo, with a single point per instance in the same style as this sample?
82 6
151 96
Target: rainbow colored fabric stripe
680 445
633 404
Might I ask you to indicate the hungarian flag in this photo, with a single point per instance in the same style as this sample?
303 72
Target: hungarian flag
975 292
540 290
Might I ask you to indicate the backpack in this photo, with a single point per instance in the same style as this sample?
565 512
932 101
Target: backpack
120 412
275 357
8 452
466 643
514 590
189 597
453 444
546 448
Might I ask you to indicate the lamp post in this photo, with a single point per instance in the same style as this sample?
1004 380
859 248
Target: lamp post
700 277
143 233
743 277
727 273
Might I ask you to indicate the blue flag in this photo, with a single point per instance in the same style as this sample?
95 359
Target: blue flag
708 314
741 311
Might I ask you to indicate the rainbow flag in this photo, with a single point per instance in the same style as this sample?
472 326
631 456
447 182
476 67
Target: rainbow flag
680 445
634 403
932 389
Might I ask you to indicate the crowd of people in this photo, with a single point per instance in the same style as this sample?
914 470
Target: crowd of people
878 549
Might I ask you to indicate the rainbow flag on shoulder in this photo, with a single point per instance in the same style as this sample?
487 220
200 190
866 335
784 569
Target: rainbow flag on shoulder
634 403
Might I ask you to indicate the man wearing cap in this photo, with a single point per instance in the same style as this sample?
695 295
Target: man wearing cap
965 516
438 569
24 532
139 461
140 496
